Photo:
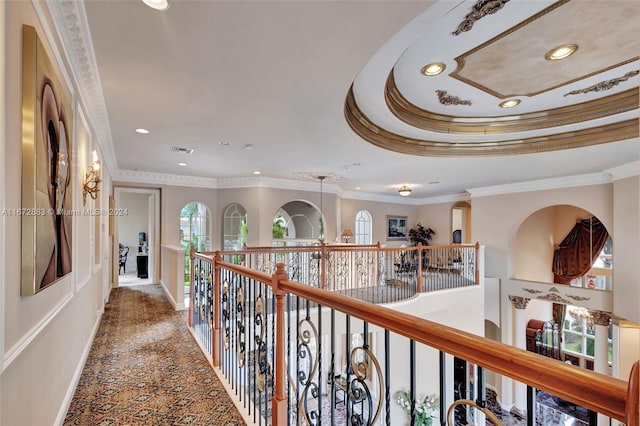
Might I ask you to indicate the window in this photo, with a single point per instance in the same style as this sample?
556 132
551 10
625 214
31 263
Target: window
599 276
578 333
195 231
363 228
234 227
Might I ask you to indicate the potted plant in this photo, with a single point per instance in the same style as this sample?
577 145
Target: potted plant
426 407
420 235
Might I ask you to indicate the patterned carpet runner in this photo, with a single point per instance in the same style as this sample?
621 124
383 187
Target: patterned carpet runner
144 368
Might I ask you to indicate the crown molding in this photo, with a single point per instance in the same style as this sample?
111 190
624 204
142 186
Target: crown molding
542 184
135 176
70 21
624 171
277 183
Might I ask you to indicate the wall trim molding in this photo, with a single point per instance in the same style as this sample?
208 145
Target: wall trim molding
68 397
14 352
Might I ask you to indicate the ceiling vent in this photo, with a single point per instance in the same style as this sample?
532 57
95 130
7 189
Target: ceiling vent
182 150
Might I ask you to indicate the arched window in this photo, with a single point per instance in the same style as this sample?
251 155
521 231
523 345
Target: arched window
363 228
195 231
234 228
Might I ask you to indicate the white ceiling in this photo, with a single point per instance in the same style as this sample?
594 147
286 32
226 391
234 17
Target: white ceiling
275 75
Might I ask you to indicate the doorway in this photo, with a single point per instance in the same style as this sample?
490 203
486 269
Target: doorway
137 236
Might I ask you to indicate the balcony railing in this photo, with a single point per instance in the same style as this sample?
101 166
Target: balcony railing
368 272
296 353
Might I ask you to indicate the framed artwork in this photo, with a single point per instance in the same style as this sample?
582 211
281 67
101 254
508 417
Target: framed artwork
47 140
396 228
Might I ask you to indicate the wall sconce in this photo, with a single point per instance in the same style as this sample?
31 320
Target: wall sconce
346 235
91 180
404 191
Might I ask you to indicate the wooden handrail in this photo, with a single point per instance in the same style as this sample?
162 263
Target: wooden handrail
606 395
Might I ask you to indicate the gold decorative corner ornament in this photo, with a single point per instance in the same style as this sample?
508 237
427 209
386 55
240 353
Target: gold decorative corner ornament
446 99
481 9
604 85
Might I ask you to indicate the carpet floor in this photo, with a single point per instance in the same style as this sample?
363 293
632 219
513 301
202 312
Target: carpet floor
144 368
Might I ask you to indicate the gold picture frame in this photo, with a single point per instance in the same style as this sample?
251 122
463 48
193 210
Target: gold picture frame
47 174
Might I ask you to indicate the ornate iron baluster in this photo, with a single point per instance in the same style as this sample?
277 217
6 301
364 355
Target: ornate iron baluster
307 334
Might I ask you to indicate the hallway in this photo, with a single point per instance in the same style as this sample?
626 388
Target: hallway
144 368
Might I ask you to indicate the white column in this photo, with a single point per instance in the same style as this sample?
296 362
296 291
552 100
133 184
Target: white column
520 341
601 349
626 349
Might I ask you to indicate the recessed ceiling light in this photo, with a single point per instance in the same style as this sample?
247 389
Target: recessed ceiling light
157 4
223 143
248 147
561 52
510 103
257 172
142 131
433 69
182 164
357 187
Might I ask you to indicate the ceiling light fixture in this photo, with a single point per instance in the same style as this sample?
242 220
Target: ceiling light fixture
157 4
510 103
142 131
182 164
257 172
404 191
561 52
432 69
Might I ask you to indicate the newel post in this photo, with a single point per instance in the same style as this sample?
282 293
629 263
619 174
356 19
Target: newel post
633 396
279 410
192 253
215 331
420 289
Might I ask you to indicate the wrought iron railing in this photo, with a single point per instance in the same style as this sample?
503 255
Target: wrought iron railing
298 354
368 272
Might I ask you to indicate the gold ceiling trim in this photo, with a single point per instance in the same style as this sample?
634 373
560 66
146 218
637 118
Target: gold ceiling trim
441 123
383 138
460 60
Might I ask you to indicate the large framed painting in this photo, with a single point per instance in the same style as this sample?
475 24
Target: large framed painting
47 208
396 228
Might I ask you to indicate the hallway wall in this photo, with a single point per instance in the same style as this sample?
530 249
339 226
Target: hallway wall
46 336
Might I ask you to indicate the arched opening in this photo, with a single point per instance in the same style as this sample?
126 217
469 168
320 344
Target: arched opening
297 223
195 231
461 223
234 227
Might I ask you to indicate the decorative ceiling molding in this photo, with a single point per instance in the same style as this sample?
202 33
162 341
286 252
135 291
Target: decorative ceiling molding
605 85
70 20
481 9
134 176
383 138
504 92
446 99
414 116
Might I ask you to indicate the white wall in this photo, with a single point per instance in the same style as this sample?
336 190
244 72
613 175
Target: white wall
45 337
136 220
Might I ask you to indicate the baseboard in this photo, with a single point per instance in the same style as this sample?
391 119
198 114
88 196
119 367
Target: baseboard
66 402
176 306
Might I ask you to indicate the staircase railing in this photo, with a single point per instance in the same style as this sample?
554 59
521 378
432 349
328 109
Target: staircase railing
261 328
